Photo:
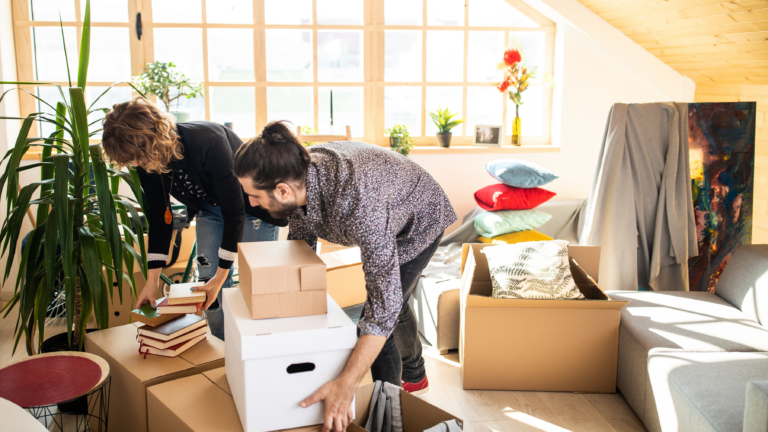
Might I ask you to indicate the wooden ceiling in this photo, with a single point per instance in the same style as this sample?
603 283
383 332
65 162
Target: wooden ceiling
714 42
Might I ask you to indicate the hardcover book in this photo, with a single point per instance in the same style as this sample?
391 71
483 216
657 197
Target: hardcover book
172 351
174 328
148 341
163 308
151 316
181 294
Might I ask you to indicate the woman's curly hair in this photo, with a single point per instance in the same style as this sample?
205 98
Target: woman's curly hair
139 130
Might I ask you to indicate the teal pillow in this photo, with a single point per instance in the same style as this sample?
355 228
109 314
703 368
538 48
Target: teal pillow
519 173
492 224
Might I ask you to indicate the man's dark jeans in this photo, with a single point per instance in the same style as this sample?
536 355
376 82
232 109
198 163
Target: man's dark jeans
400 359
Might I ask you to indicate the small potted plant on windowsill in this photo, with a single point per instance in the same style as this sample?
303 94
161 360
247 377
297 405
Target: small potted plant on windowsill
400 139
160 78
444 121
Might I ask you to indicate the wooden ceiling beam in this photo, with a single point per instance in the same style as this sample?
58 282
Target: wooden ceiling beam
725 56
706 30
716 39
717 48
723 8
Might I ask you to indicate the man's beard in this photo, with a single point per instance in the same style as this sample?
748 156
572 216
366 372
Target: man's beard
279 210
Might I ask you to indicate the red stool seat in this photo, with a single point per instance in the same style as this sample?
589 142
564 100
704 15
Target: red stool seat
48 379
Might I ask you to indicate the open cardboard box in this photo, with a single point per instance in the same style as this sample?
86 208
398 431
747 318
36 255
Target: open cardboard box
132 374
203 403
345 279
538 345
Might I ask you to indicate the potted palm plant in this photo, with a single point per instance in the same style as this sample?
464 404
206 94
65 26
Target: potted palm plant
160 79
443 119
80 216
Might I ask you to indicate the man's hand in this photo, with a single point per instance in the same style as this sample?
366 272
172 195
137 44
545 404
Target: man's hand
213 286
149 293
338 395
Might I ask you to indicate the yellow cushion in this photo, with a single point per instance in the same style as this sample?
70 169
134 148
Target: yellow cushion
515 237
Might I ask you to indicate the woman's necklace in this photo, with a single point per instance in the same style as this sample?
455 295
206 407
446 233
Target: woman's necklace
168 214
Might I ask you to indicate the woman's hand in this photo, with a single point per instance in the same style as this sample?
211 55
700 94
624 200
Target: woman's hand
149 293
213 286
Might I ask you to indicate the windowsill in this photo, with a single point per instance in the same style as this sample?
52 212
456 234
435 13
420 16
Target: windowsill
434 150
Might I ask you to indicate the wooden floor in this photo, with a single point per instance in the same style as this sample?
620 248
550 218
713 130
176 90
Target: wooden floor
482 411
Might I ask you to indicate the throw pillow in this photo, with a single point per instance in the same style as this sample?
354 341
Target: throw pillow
492 224
516 237
502 197
519 173
532 270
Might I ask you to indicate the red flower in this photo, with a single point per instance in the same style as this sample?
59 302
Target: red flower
503 86
512 56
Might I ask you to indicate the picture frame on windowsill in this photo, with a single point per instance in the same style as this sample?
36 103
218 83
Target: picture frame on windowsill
488 135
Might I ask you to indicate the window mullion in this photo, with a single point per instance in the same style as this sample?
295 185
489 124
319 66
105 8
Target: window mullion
206 78
260 64
466 62
423 68
314 68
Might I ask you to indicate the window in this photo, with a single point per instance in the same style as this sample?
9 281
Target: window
366 63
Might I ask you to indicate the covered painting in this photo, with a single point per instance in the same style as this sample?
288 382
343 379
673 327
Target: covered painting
722 151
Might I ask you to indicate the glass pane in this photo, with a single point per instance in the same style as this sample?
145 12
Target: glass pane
532 46
484 107
288 11
486 51
443 97
114 96
177 11
48 10
236 105
445 12
345 12
445 56
497 13
402 55
230 55
403 105
339 55
293 104
112 48
347 110
229 11
50 63
531 112
51 95
289 55
195 106
403 12
106 10
183 47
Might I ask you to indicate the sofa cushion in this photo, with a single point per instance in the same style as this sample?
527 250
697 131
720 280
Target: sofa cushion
689 320
697 391
756 411
744 282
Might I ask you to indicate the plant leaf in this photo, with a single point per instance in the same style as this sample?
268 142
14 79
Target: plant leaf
85 47
92 270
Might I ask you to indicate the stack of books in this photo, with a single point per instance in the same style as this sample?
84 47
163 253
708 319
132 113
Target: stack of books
172 338
170 325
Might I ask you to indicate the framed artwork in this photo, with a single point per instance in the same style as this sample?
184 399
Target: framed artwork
488 135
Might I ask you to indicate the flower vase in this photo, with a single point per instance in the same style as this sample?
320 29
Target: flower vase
516 127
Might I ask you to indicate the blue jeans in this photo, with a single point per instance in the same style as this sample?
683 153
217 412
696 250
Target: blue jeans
210 229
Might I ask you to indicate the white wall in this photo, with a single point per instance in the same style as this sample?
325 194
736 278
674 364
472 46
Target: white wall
588 82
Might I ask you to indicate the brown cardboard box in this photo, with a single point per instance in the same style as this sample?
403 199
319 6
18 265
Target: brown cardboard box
281 279
538 345
345 279
203 403
132 374
324 246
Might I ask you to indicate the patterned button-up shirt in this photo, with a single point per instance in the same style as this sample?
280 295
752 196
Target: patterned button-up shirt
364 195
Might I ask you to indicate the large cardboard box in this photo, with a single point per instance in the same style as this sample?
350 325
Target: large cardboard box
132 373
324 246
281 279
538 345
272 365
345 279
187 404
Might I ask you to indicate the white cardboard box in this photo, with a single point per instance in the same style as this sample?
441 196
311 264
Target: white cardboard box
274 364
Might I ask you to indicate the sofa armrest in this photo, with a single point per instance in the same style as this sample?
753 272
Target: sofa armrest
756 410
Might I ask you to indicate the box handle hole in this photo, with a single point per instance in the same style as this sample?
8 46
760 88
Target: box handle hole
301 367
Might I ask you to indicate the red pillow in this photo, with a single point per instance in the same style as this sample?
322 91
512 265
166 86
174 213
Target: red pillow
503 197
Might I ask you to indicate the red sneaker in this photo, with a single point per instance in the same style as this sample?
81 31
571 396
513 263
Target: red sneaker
418 388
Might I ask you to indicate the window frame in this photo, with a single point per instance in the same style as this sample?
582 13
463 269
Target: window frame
373 83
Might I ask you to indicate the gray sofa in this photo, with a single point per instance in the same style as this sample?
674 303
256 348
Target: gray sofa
698 361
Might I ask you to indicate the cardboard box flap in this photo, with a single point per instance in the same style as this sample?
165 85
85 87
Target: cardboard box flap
490 302
418 415
279 254
208 350
312 278
588 258
120 344
287 336
219 377
342 259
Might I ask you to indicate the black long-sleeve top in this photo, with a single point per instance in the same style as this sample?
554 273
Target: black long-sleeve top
207 165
